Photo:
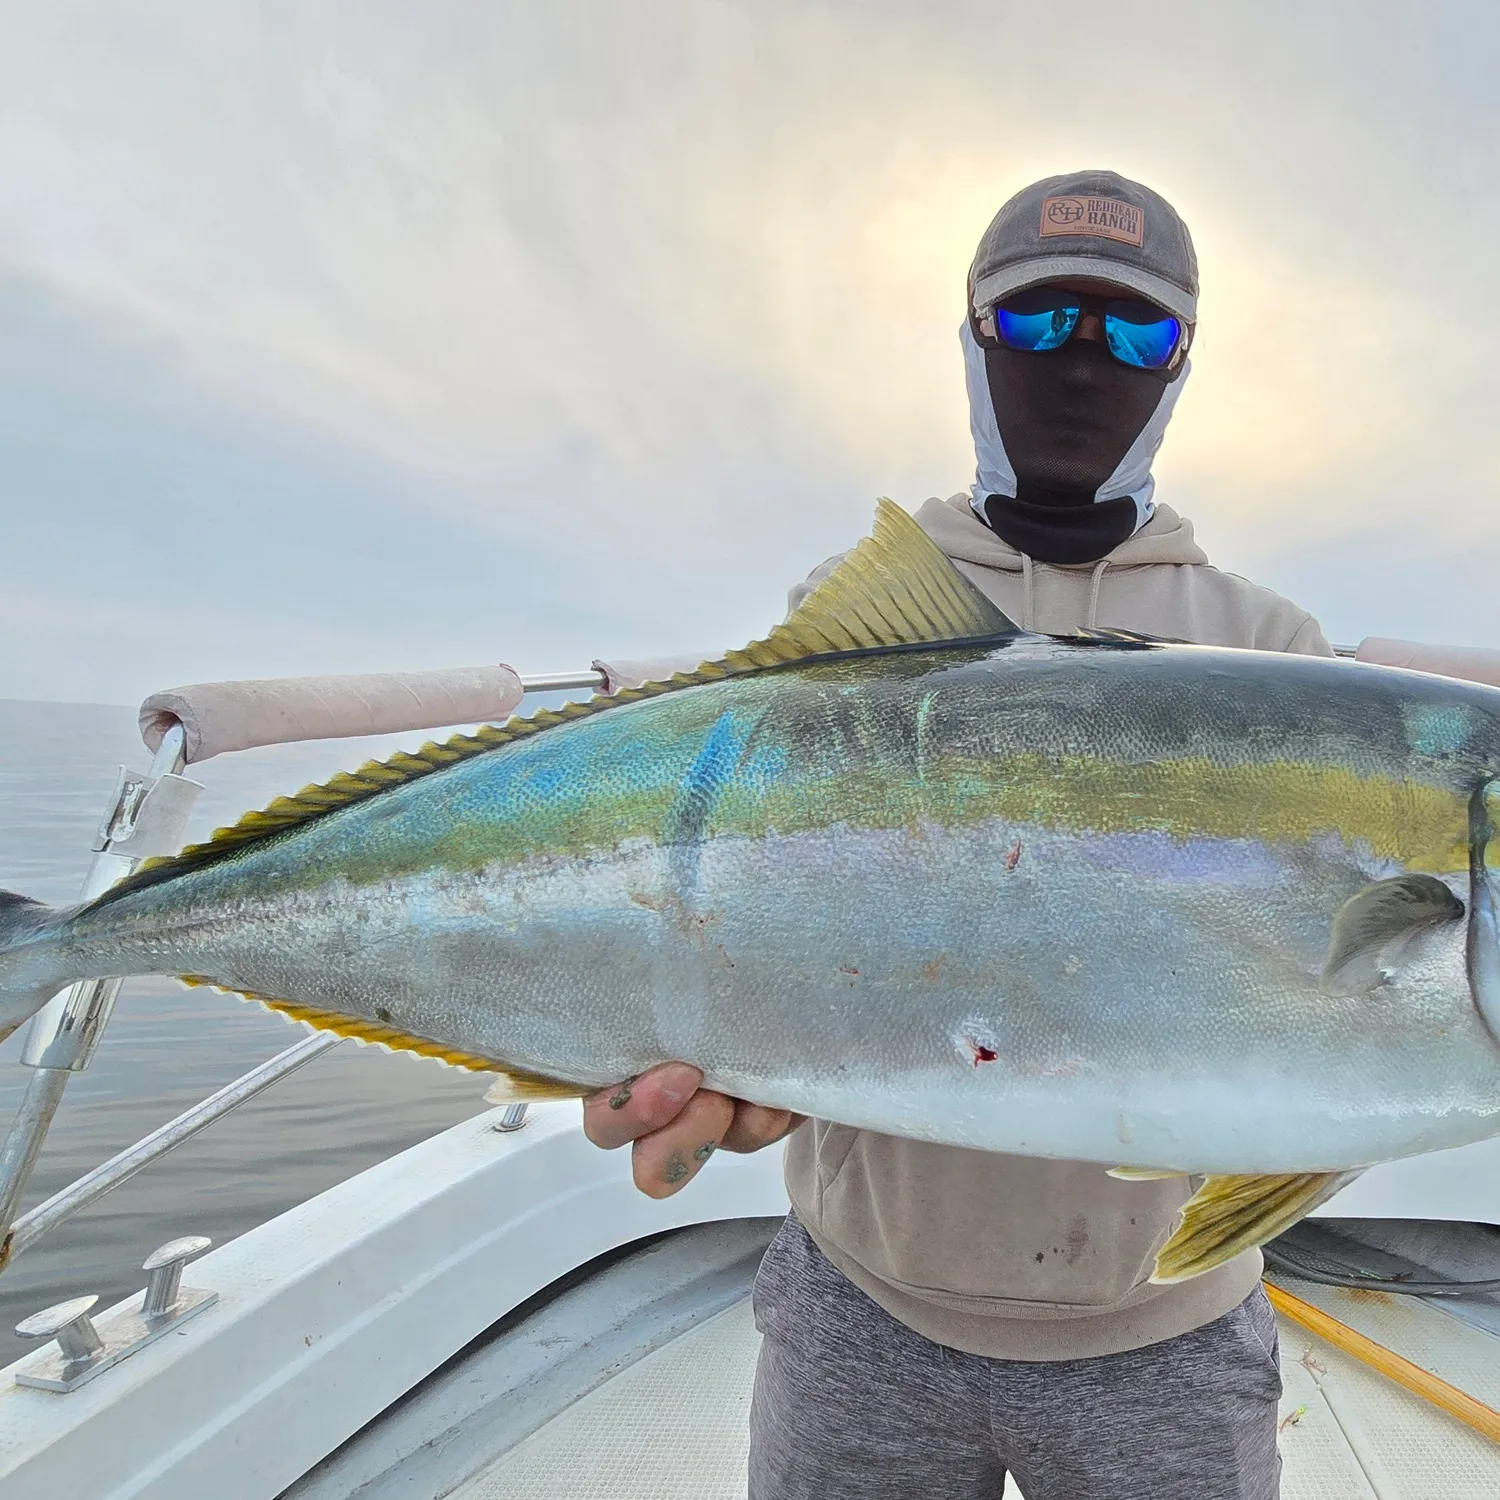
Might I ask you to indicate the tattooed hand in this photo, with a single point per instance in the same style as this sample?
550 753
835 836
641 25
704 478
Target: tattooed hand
676 1125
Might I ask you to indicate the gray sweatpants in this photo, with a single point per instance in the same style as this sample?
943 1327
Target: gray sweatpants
851 1403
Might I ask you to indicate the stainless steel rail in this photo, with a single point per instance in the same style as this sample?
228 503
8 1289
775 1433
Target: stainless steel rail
92 1186
563 682
63 1035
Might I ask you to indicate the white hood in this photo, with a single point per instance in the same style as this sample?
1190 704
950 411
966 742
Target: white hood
995 476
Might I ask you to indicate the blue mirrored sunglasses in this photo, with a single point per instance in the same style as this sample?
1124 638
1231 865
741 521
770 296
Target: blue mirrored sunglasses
1137 333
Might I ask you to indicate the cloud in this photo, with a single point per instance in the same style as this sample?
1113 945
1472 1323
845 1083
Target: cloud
647 303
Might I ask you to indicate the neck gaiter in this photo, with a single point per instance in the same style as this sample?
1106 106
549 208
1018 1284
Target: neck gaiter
1064 443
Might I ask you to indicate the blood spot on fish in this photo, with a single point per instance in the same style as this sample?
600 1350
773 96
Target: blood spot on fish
644 898
1367 1294
982 1054
932 970
698 924
1013 857
844 969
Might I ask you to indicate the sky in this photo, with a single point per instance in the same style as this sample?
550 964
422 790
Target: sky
347 337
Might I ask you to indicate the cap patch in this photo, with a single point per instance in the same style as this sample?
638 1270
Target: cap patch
1107 218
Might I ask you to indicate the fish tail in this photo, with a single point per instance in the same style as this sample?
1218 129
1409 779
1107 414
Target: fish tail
30 973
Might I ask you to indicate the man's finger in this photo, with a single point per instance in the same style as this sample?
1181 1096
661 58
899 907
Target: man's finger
636 1107
669 1159
754 1126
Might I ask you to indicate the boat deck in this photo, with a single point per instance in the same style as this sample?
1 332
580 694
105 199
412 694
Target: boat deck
674 1424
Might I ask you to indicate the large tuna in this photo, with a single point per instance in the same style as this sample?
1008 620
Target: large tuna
905 867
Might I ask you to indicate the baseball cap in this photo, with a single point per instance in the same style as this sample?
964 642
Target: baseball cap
1090 224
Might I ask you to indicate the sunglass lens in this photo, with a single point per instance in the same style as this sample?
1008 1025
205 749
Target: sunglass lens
1140 334
1036 321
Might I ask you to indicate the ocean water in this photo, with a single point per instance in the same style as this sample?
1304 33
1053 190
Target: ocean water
167 1046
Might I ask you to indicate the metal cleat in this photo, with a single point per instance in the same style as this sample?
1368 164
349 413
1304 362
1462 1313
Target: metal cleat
85 1349
78 1342
165 1297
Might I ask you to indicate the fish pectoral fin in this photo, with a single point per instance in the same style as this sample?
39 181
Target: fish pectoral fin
1142 1174
1228 1215
514 1087
1373 921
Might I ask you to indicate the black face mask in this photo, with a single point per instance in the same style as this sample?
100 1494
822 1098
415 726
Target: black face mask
1066 419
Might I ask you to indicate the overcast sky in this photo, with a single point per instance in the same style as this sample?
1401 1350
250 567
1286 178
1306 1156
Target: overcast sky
340 337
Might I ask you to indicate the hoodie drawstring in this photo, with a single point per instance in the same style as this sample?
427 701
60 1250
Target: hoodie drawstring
1028 592
1092 618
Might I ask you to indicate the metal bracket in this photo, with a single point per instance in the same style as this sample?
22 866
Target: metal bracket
86 1349
119 817
149 816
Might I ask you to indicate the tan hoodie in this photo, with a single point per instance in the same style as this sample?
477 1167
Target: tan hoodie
1007 1256
1158 582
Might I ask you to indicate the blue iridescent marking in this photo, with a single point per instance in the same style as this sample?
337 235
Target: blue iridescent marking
713 769
1432 730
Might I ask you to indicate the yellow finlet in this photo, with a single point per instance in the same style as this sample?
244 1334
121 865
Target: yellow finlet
394 1039
896 588
1231 1214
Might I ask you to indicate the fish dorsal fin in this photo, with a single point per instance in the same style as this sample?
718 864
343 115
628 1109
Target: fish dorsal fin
1370 925
896 588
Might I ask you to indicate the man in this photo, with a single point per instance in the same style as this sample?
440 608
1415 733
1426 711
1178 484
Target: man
935 1317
